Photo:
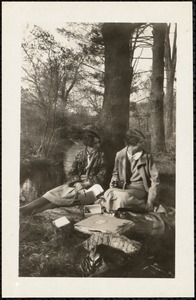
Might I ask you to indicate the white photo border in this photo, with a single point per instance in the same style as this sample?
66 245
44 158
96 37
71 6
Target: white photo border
14 14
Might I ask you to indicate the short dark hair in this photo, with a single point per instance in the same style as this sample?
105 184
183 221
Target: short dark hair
89 138
133 137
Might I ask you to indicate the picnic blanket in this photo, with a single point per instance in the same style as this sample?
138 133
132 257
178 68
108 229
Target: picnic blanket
148 223
74 213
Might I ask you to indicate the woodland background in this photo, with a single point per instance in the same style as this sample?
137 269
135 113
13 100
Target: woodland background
112 75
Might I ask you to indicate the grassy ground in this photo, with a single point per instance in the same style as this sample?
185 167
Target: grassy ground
47 251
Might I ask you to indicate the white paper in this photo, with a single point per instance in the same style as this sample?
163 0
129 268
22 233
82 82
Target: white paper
61 222
96 189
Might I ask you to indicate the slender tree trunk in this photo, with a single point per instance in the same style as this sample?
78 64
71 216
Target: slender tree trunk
118 76
168 105
156 99
170 67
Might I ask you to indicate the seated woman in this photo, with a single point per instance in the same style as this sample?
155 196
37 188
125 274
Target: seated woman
87 169
135 180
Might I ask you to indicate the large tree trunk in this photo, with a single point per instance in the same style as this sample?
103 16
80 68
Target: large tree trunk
170 67
118 76
156 99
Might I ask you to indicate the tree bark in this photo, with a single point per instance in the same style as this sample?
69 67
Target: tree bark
118 76
156 99
170 67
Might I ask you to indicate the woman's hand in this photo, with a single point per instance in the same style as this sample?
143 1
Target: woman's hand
149 207
79 186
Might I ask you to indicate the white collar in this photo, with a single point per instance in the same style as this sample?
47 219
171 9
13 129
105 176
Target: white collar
89 153
135 156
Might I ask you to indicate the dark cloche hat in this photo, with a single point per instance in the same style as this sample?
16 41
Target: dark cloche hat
134 133
92 130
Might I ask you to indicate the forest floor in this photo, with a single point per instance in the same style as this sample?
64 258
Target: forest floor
48 251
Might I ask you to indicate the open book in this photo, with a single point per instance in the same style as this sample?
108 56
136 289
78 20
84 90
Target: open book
103 223
90 196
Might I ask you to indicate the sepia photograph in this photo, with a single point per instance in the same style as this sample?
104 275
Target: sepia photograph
98 118
90 92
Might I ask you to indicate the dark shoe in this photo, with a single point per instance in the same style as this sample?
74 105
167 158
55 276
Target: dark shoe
93 265
113 257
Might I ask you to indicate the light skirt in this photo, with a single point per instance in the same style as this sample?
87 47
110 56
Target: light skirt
62 195
134 197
